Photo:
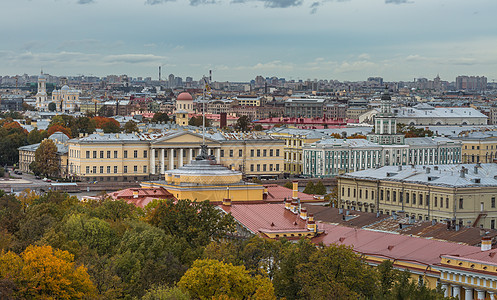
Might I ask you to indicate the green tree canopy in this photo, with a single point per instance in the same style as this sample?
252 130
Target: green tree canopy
197 121
52 106
160 117
289 185
130 126
319 188
309 188
208 279
243 123
46 161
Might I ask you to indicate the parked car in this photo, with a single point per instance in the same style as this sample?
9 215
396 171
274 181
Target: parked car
37 177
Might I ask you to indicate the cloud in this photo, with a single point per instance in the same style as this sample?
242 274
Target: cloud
133 58
85 1
197 2
314 7
398 2
282 3
154 2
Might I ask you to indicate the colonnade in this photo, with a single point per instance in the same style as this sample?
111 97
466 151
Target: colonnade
176 155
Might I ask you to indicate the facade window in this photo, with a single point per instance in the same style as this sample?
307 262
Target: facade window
135 153
277 152
115 154
251 168
420 199
348 192
258 167
360 193
264 152
125 169
492 224
354 193
461 203
231 152
270 152
101 169
135 169
101 154
240 153
258 152
125 154
388 195
372 195
264 167
394 196
492 204
436 202
87 154
413 198
108 169
343 191
94 154
427 200
446 202
94 169
381 195
87 168
145 153
108 154
277 167
366 194
222 153
251 152
115 169
145 169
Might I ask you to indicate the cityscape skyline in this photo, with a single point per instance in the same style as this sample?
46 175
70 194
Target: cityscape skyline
239 40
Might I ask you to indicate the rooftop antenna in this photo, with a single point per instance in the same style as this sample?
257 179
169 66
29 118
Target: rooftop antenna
159 73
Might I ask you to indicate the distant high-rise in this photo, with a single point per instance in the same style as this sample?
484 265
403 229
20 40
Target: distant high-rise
471 83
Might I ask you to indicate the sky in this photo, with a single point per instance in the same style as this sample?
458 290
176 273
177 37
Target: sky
398 40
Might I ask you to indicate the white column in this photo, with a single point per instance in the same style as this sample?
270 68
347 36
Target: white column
152 162
445 288
456 291
492 295
171 159
190 155
218 155
162 169
481 295
468 293
180 158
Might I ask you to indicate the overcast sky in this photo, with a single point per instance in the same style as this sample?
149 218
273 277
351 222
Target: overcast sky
240 39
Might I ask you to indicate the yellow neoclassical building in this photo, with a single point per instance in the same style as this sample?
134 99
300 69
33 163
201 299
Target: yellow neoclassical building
144 156
204 179
478 146
465 194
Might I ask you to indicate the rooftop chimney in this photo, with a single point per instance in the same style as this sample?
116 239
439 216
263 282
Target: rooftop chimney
462 172
486 243
428 169
295 191
311 225
303 213
288 203
227 201
476 169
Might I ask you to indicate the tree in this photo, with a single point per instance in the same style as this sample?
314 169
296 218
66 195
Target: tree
56 128
357 136
165 293
347 275
319 188
289 185
160 118
12 136
108 125
27 197
46 161
130 127
41 272
208 279
258 127
52 106
243 123
197 222
336 135
309 188
35 136
146 256
198 122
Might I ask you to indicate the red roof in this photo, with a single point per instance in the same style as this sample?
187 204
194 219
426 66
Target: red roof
141 196
267 217
184 96
307 121
395 246
277 193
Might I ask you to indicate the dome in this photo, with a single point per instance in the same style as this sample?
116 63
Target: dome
203 172
184 96
65 88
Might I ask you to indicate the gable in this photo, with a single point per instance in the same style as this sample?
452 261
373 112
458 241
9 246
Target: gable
184 138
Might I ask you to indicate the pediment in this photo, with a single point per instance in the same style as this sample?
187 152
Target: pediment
183 138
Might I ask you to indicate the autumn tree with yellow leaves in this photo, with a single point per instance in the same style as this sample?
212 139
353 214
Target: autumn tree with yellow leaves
41 272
